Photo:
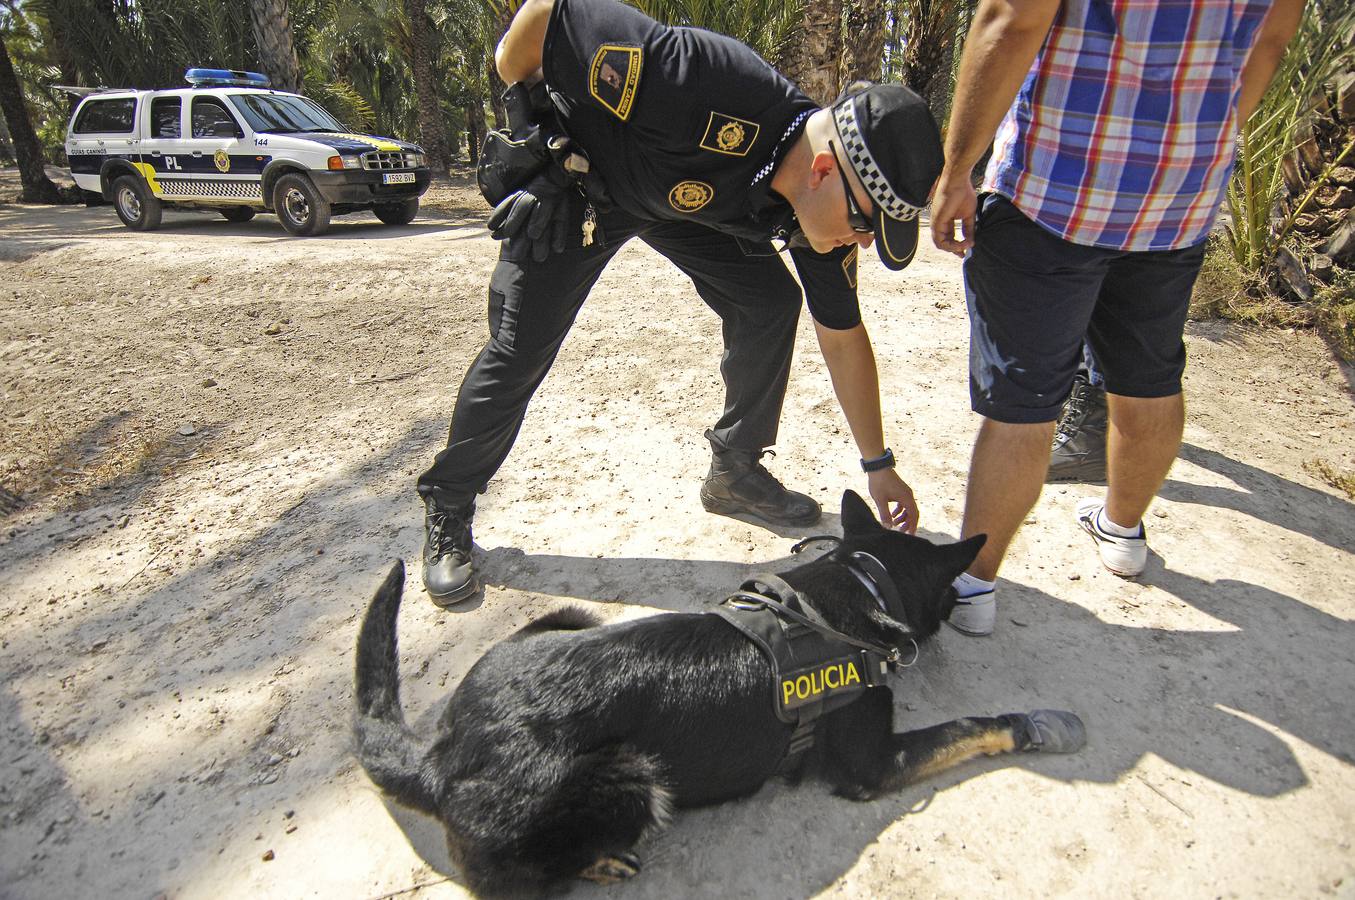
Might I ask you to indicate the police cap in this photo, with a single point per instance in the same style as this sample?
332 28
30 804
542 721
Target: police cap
891 141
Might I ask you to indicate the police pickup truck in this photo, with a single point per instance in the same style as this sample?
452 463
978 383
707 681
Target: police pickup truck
227 142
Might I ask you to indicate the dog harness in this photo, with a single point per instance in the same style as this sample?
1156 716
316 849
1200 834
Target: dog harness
815 668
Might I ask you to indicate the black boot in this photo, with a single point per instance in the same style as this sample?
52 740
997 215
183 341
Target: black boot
447 571
1079 449
738 484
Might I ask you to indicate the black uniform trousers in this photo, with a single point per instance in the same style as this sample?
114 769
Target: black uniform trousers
532 306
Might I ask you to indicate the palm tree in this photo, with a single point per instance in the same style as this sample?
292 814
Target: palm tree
432 124
863 52
37 187
273 34
922 51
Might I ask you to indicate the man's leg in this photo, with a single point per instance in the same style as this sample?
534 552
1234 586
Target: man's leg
1030 295
1006 475
1135 333
1145 436
759 305
531 308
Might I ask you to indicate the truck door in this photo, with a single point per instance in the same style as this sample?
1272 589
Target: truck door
104 128
162 152
220 163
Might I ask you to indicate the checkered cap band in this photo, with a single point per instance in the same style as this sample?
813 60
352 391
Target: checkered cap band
858 154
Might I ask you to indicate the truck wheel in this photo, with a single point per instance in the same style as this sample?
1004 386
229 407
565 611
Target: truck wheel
299 206
137 207
401 213
237 213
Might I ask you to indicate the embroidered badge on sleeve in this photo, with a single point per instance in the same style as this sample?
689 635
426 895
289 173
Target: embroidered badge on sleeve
614 77
729 134
689 196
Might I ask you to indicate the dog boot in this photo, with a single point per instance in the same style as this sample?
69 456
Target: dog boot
448 574
737 483
1047 731
1079 448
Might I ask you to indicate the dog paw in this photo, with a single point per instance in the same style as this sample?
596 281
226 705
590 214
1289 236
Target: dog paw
1054 731
611 869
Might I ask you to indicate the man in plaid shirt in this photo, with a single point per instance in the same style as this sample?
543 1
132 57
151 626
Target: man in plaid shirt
1117 121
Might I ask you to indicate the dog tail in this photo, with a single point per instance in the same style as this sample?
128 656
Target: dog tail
387 749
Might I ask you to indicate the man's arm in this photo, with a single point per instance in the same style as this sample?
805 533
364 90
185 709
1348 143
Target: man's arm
1001 45
518 56
851 366
1277 29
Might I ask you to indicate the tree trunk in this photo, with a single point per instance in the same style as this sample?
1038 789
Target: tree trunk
929 44
863 53
37 187
814 60
475 129
432 125
273 34
492 79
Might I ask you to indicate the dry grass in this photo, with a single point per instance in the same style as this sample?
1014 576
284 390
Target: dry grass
73 475
1226 291
1323 471
1335 309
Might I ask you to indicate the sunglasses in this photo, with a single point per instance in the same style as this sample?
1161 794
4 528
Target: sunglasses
859 221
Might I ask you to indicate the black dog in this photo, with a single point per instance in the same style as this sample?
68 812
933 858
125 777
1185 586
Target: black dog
566 744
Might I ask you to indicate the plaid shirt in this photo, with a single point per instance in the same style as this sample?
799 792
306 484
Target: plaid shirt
1122 135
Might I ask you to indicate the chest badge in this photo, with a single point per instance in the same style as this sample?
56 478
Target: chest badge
222 160
614 76
729 135
689 196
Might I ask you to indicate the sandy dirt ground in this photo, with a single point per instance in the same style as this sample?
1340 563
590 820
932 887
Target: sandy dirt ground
215 430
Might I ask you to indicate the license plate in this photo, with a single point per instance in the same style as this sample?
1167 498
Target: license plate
398 178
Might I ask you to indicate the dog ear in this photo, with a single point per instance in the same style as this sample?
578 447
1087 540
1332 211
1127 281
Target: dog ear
959 556
856 515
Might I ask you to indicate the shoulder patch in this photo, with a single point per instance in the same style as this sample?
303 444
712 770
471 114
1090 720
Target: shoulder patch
729 134
849 266
689 196
614 76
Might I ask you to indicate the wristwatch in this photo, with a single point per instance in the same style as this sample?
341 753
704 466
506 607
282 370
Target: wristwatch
883 461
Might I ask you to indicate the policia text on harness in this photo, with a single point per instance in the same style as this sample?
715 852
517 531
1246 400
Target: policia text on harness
815 668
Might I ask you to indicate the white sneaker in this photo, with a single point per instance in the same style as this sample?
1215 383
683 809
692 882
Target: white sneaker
1124 556
974 616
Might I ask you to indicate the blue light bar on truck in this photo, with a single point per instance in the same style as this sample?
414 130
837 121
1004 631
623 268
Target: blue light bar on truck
225 77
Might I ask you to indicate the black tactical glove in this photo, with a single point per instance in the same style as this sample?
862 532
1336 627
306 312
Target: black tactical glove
507 164
527 106
537 213
512 156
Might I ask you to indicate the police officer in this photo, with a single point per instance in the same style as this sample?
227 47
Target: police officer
707 155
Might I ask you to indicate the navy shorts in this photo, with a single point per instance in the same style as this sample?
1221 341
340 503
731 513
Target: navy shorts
1034 296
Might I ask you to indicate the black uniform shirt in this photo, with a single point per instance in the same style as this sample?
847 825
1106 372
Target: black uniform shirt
688 125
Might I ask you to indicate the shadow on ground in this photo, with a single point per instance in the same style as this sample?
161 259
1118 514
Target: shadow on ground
269 612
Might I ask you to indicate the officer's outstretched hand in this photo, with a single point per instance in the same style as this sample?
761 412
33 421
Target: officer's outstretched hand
537 213
894 499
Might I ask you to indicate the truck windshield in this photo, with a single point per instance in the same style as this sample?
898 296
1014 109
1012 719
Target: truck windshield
275 112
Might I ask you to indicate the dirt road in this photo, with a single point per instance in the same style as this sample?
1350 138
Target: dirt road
216 428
